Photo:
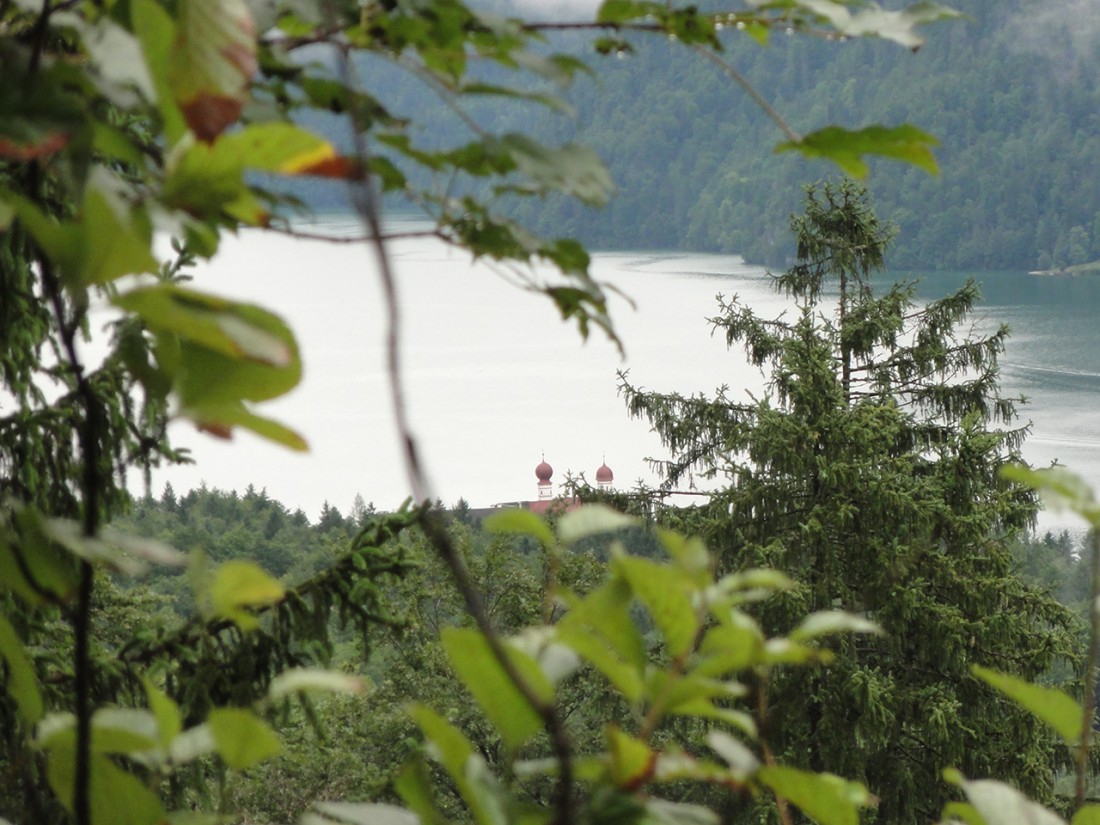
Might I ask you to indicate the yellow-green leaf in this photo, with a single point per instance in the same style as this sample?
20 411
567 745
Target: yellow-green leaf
165 711
240 584
117 797
824 797
847 148
632 761
241 737
496 694
284 148
666 592
22 684
517 520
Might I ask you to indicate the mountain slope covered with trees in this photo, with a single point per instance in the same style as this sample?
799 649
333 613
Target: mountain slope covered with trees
1011 93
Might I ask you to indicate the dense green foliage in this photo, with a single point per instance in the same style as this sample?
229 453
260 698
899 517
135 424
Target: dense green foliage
123 119
869 472
1011 94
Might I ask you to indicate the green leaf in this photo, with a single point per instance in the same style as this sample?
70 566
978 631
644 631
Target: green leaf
601 630
117 797
117 241
830 622
114 731
1052 706
592 520
450 746
143 548
165 711
219 354
524 522
1088 815
689 553
962 812
212 63
1001 804
468 771
242 739
571 169
70 535
107 239
192 744
219 419
362 813
741 760
736 643
240 331
240 584
666 812
34 567
156 32
1059 488
632 761
197 818
824 797
413 784
307 680
21 682
496 695
847 148
620 11
666 592
283 148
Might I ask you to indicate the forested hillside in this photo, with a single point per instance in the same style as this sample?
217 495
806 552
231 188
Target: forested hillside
1011 93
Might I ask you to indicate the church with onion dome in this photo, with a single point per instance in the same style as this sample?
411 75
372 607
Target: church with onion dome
545 498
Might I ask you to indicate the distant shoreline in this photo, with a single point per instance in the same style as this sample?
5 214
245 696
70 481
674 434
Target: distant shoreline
1072 271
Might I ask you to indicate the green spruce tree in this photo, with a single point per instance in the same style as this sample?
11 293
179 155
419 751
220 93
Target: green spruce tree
869 471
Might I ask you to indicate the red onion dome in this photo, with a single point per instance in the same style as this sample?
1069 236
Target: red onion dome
604 473
544 471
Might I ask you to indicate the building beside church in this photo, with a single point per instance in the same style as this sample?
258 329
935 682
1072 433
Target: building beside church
545 498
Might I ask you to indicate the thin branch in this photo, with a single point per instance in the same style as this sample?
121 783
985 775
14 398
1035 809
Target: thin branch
306 235
365 200
750 90
81 617
1090 673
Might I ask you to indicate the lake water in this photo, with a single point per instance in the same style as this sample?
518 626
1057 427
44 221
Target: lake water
496 381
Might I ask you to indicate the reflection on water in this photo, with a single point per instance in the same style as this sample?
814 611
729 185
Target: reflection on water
495 379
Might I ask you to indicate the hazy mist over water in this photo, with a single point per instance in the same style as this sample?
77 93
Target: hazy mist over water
495 379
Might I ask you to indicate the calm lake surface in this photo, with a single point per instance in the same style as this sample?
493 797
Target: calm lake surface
495 380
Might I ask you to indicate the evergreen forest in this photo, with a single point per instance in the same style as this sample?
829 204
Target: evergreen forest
1010 92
